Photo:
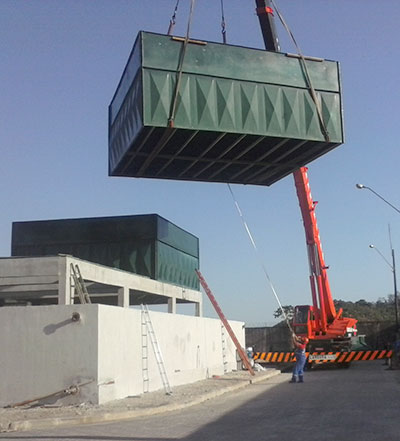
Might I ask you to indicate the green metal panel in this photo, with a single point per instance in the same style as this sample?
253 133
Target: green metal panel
177 238
236 63
221 105
174 266
237 108
130 243
136 257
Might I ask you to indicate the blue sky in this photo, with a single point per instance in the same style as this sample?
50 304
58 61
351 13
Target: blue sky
61 62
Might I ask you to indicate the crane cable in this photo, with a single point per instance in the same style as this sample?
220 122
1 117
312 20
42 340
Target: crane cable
246 227
173 19
223 24
306 74
260 258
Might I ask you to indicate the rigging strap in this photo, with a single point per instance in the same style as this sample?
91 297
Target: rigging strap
180 68
306 73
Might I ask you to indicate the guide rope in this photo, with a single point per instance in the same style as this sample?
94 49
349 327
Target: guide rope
264 268
306 74
180 67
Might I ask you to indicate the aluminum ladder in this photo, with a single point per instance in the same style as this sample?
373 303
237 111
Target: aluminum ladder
79 284
224 349
156 348
145 354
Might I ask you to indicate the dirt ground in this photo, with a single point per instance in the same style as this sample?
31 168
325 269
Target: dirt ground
34 416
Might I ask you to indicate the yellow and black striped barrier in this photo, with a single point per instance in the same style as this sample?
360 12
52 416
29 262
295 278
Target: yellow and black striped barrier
322 357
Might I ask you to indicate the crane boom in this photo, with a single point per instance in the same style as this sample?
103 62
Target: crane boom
320 288
266 17
321 321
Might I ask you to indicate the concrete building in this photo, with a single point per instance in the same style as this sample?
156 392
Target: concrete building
99 352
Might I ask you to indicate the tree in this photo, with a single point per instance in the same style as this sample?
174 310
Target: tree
289 312
382 310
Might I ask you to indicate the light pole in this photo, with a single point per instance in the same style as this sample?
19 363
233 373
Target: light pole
393 268
361 186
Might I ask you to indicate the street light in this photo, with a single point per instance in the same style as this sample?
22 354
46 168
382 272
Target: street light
393 268
361 186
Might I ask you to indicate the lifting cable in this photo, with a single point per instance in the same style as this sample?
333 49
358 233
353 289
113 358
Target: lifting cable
260 258
223 31
223 24
306 73
173 19
180 67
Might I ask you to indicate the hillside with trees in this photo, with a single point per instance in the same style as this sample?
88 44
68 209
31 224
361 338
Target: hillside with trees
382 310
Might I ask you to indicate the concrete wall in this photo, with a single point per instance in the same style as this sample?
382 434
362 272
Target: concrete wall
44 351
277 338
269 338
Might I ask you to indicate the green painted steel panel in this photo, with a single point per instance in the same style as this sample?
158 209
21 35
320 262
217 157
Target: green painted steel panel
221 105
174 266
148 245
175 237
242 115
236 63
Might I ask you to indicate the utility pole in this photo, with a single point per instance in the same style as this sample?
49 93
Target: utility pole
395 291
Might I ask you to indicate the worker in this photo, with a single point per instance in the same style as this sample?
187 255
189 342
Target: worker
300 344
395 359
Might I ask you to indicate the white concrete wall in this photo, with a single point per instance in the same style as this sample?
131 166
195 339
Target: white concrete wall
192 347
120 352
43 351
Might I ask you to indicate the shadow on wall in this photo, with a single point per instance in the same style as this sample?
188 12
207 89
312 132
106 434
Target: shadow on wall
52 328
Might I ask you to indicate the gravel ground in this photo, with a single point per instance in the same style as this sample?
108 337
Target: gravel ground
30 418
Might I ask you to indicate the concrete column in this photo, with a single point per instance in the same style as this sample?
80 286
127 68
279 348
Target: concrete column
199 309
172 305
65 295
123 297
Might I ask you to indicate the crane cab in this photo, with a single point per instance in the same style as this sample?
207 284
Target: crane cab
304 321
338 336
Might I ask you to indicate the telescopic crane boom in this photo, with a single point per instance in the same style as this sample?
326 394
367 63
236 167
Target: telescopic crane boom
321 323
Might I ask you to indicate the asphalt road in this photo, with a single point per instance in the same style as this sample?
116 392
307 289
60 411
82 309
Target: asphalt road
360 403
